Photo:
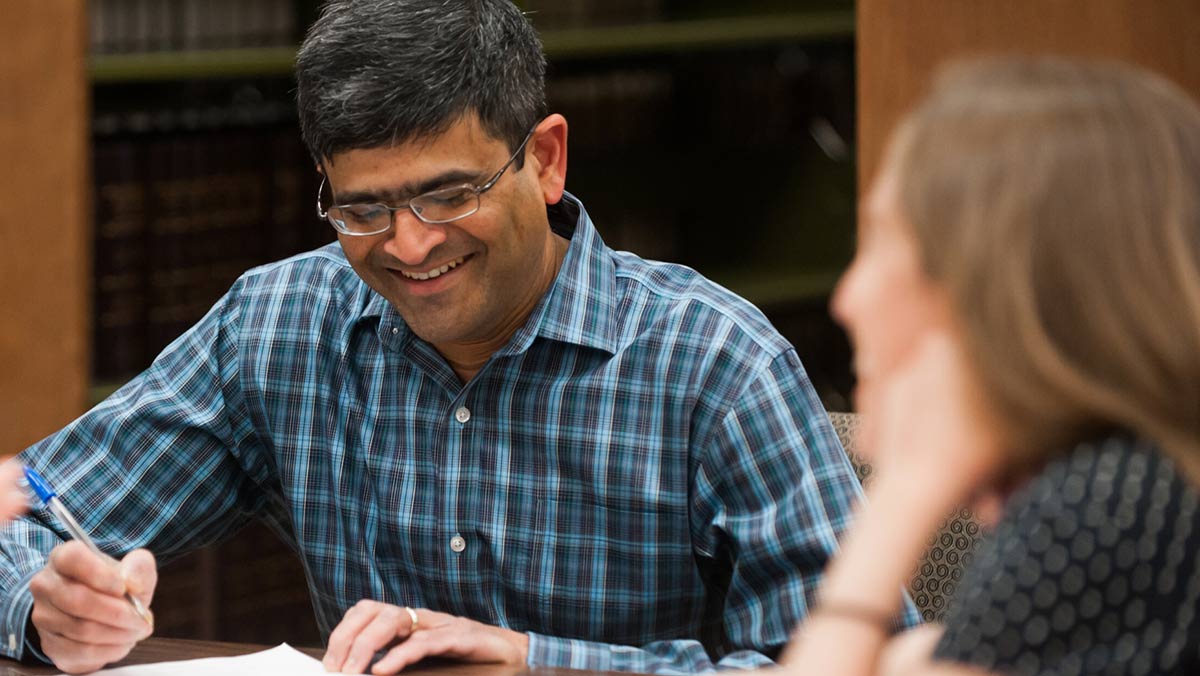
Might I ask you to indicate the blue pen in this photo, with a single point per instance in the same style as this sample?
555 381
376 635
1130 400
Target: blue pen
56 507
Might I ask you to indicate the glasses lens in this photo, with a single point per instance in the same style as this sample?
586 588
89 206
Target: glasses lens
441 206
360 218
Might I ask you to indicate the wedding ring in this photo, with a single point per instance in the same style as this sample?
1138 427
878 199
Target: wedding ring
412 615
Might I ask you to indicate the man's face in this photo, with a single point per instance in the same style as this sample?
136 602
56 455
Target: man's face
474 280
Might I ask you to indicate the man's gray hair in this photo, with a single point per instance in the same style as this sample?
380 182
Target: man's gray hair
375 73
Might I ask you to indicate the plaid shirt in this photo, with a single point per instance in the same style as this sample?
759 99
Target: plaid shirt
641 479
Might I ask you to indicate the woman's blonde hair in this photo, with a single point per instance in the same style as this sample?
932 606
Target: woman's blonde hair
1058 203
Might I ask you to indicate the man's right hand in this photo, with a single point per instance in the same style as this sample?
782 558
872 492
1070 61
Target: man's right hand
80 611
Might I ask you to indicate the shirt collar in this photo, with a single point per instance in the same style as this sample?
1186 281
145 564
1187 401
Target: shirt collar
581 306
579 309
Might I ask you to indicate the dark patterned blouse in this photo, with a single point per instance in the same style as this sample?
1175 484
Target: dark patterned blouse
1093 569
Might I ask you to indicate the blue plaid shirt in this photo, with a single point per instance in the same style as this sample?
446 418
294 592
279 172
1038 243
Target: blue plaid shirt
641 479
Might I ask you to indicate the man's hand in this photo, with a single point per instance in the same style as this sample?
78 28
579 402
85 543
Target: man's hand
80 611
371 626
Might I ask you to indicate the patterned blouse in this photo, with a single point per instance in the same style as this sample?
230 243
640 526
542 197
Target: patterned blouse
1093 569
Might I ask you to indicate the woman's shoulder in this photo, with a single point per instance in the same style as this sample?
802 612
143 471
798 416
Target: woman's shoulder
1090 569
1116 469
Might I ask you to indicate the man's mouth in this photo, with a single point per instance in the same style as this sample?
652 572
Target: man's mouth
435 272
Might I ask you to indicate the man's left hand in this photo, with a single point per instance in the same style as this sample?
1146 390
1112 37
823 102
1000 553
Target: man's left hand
371 626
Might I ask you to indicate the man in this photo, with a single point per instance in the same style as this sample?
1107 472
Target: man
489 436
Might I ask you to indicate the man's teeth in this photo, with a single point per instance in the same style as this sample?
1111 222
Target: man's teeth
434 272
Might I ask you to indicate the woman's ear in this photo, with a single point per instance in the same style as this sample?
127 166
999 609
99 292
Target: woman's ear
548 156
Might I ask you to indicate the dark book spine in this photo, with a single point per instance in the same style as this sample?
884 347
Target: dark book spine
120 206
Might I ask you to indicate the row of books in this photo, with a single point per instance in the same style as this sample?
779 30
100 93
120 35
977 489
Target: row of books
618 108
180 211
753 98
136 26
140 26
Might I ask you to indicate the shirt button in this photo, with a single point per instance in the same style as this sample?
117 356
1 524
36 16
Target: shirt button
462 415
457 544
395 330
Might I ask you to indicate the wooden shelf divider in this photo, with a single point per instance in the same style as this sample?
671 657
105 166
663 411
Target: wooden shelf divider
574 43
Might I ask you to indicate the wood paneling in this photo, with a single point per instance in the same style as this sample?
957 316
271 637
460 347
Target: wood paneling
44 238
901 42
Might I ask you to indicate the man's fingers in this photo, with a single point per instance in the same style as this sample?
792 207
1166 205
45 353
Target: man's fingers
50 621
389 623
371 626
80 611
75 658
54 595
74 561
140 573
342 637
420 645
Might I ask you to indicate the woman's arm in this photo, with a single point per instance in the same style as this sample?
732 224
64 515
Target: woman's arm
935 447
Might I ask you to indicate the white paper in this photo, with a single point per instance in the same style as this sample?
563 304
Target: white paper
282 660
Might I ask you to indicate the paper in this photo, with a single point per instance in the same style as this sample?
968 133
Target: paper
282 660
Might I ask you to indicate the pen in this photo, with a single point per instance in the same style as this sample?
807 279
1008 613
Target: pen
58 509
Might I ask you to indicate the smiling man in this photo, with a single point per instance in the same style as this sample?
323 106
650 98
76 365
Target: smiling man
463 270
487 435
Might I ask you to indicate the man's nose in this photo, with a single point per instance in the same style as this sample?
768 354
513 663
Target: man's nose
410 240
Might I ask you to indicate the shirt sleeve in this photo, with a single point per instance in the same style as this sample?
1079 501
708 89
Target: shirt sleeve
1091 570
660 657
167 463
772 491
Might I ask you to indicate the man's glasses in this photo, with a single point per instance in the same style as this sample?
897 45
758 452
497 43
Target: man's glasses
436 206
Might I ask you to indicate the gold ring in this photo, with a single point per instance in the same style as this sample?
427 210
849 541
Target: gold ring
412 615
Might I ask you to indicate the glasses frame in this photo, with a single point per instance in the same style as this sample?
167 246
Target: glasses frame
476 190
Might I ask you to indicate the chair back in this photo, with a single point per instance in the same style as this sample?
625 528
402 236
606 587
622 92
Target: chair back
950 549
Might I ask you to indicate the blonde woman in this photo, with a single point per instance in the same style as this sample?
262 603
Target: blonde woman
1025 309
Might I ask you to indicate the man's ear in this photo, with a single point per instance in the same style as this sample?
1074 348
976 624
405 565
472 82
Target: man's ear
548 156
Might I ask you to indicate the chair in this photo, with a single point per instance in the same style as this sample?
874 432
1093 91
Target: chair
950 549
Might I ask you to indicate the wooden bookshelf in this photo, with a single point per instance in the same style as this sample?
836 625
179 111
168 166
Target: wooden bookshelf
45 251
697 34
211 63
576 43
901 43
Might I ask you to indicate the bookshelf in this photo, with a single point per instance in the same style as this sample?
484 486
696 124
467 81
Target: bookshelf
901 43
45 262
725 143
565 43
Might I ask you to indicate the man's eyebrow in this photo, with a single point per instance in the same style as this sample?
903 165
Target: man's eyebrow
412 189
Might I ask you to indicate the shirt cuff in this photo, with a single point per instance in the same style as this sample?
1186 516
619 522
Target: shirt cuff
14 643
552 651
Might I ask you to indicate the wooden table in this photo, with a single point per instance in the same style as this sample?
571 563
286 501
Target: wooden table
171 649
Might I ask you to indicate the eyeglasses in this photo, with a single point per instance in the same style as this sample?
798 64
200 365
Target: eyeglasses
436 206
